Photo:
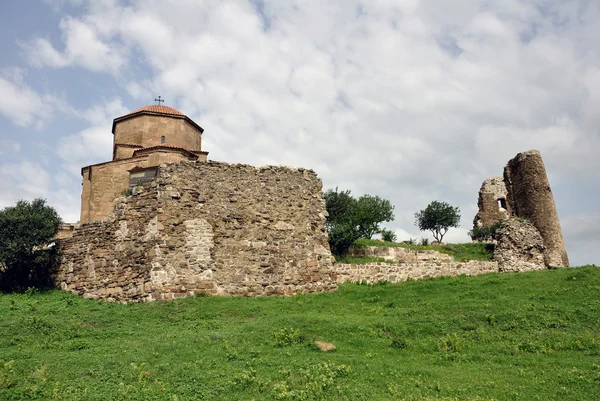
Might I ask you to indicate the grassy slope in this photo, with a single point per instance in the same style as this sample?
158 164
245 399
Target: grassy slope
460 252
527 336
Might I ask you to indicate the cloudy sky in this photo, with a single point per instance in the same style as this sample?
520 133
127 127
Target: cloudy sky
411 100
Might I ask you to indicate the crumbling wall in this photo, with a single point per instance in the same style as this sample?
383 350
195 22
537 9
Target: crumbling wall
530 197
398 272
492 204
519 246
218 228
399 254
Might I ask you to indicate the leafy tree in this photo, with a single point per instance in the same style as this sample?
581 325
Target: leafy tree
24 230
350 218
372 210
341 221
438 217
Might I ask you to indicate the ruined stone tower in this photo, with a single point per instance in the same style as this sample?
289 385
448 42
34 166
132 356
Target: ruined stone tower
530 197
524 192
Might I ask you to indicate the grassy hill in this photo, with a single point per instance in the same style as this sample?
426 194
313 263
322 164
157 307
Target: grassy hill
527 336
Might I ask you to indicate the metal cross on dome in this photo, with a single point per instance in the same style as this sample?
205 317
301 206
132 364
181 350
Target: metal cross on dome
159 100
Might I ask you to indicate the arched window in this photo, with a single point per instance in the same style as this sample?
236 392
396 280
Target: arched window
162 139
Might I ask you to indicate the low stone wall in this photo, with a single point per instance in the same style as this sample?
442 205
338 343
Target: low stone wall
398 254
397 272
217 228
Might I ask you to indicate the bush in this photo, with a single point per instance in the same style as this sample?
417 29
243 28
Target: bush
25 230
484 233
388 235
286 337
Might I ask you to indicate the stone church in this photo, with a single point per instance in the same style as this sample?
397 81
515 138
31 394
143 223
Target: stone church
142 140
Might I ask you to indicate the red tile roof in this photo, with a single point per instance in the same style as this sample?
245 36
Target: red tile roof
133 145
163 146
171 146
159 109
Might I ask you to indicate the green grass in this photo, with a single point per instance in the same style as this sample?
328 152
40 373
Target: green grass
460 252
527 336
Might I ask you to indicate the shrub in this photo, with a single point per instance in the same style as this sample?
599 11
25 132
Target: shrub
484 233
286 337
388 235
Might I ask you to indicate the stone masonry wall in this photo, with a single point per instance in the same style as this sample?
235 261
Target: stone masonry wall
490 212
399 254
407 264
397 272
218 228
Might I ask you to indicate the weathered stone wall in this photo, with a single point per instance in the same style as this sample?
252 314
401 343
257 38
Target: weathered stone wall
65 231
226 229
520 249
147 130
530 197
490 212
519 246
398 272
399 254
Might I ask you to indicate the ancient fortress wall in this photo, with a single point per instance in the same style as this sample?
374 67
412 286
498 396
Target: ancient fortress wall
399 254
397 272
218 228
530 197
405 264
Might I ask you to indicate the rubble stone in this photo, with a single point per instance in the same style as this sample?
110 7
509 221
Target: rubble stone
519 247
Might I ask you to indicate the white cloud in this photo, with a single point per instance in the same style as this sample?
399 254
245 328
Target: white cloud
582 236
93 144
413 101
22 105
29 180
83 47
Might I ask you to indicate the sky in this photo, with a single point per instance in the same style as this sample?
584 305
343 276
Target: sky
410 100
